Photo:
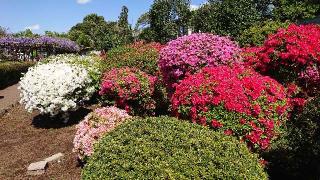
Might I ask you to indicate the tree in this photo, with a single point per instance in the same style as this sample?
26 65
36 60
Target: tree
294 10
56 34
227 17
3 31
124 27
169 19
25 33
94 32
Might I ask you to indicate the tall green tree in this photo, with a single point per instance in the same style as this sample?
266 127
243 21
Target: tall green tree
227 17
169 19
294 10
124 26
94 32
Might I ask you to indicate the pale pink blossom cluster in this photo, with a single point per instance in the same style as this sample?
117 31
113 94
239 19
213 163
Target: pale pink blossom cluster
94 126
188 54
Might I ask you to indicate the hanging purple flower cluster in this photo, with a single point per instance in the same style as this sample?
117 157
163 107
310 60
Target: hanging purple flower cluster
43 41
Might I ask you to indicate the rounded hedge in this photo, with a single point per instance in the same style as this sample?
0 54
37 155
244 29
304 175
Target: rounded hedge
188 54
166 148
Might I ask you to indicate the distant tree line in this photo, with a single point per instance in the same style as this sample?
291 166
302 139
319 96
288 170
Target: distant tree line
168 19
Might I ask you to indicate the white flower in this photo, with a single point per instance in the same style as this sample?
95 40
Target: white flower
55 87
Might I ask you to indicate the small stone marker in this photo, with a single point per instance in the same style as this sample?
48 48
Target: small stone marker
56 157
37 168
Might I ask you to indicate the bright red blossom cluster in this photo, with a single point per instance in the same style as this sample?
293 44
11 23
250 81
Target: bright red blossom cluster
292 53
236 100
130 89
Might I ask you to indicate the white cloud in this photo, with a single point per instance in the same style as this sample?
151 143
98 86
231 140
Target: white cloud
33 27
83 1
194 7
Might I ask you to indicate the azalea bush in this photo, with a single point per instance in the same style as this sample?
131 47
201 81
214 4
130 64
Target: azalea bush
143 56
166 148
93 64
236 101
129 88
188 54
290 55
94 126
55 87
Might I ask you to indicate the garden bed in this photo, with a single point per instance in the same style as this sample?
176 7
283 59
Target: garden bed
27 138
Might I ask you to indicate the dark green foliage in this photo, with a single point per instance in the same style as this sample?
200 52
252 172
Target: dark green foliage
166 148
124 27
143 59
3 31
94 32
256 34
297 154
11 72
169 19
228 17
294 10
25 33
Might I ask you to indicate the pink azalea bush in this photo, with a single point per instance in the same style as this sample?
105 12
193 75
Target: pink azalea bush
131 89
94 126
188 54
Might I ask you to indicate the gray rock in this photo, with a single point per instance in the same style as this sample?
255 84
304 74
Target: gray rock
56 157
38 166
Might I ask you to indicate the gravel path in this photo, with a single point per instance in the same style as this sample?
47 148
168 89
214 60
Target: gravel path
8 97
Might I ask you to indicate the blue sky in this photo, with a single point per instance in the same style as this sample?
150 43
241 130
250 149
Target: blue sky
61 15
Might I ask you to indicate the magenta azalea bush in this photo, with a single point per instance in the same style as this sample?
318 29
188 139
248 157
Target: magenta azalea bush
94 126
130 89
188 54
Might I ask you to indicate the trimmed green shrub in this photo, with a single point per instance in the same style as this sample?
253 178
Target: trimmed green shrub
297 154
11 72
257 34
137 55
166 148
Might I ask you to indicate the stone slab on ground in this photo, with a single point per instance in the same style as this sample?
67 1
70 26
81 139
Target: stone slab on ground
56 157
8 98
37 166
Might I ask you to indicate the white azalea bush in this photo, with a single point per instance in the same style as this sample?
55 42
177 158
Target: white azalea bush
93 64
55 87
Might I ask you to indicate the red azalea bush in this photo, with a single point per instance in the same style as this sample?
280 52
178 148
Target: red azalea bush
131 89
188 54
290 55
234 100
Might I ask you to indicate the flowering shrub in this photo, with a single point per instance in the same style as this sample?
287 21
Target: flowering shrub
129 88
55 87
94 126
93 64
290 55
143 56
188 54
236 101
